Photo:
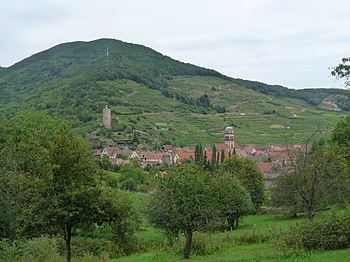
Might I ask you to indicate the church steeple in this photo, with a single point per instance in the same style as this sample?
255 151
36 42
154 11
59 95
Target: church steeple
229 136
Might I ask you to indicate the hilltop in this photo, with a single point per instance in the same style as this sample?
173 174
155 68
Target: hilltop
160 99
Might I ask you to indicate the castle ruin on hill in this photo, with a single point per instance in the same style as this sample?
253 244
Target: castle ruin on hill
107 117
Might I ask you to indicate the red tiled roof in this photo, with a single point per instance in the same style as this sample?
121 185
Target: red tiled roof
111 150
249 150
220 147
185 155
265 167
152 155
241 153
98 152
259 153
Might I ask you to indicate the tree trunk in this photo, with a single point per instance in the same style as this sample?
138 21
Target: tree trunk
67 238
310 214
187 250
231 222
236 219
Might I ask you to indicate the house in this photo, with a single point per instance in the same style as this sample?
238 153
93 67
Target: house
135 154
168 148
180 155
249 149
98 152
270 175
241 153
152 158
266 167
278 148
110 152
119 161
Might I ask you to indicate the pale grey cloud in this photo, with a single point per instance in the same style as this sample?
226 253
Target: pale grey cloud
289 42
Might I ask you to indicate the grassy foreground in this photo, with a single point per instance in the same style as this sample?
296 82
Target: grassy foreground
256 239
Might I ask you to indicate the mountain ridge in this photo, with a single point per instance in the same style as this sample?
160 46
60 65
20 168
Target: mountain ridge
76 80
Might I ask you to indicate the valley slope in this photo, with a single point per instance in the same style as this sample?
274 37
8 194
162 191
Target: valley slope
159 99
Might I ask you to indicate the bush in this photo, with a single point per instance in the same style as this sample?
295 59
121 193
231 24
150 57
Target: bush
202 246
329 231
36 249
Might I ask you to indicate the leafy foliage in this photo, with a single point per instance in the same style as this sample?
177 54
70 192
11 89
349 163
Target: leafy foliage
326 232
341 135
342 70
235 201
49 183
248 174
182 202
319 179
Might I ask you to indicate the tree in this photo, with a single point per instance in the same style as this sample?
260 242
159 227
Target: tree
233 199
341 135
182 202
222 155
133 178
318 179
198 155
117 215
285 195
205 101
251 177
48 179
69 196
105 163
214 159
342 70
24 159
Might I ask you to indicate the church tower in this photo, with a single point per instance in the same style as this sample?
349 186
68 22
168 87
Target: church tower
229 135
107 117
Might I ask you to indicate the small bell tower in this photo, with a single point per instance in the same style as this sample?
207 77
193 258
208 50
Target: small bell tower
229 136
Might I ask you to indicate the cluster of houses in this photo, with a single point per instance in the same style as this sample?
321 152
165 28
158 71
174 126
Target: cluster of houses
270 159
267 158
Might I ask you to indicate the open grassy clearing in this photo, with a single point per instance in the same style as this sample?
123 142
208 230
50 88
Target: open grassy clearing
233 246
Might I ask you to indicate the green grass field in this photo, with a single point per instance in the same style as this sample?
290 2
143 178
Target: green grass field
233 246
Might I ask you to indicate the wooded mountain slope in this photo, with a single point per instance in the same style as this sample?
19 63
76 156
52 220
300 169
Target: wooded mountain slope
165 99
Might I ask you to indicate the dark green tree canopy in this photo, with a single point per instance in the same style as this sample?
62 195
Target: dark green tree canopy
182 202
49 183
251 177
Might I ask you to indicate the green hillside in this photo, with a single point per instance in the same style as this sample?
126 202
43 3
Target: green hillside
161 99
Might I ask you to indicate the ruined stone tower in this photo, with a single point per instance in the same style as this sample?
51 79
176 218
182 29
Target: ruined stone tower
107 117
229 135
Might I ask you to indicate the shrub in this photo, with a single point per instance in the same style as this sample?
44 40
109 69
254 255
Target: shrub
329 231
202 246
36 249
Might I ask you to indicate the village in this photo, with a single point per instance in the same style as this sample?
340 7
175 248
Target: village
272 160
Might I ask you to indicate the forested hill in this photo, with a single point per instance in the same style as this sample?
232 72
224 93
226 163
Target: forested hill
72 72
155 94
104 59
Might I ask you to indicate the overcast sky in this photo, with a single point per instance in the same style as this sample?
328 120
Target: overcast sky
287 42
